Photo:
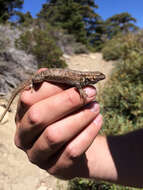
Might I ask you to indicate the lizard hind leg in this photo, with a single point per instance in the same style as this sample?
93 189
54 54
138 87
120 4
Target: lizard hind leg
82 94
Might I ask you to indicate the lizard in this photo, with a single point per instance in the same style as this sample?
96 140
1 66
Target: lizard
78 79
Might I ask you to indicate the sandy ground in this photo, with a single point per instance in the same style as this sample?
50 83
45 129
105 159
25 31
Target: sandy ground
16 172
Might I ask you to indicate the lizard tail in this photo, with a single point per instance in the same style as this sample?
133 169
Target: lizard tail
21 87
8 106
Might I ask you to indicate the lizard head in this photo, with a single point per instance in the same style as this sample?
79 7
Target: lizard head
94 77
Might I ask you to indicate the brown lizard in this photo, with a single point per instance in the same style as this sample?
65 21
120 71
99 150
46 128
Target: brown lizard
78 79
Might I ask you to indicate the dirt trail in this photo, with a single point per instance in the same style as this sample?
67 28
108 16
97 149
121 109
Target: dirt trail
16 172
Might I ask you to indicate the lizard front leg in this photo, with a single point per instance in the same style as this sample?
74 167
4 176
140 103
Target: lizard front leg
82 93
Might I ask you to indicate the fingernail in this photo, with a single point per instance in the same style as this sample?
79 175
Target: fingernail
90 91
94 107
98 120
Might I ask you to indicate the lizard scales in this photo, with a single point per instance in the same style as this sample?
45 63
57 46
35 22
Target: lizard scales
78 79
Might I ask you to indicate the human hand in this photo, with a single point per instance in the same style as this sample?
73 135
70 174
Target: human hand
56 130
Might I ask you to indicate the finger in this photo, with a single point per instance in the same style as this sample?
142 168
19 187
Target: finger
62 132
47 111
28 97
82 142
73 156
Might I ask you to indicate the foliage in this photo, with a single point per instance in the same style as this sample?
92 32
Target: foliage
77 17
120 45
41 44
65 14
98 38
7 8
123 97
120 23
85 184
24 19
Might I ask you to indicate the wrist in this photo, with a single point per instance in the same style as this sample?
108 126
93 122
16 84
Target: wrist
100 162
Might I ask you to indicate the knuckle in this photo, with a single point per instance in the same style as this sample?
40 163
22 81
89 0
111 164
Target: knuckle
72 98
55 172
18 143
52 138
71 152
34 116
36 160
51 171
31 158
25 99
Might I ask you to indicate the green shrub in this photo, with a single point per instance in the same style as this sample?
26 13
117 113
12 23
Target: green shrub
25 42
24 19
119 46
85 184
43 46
122 97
